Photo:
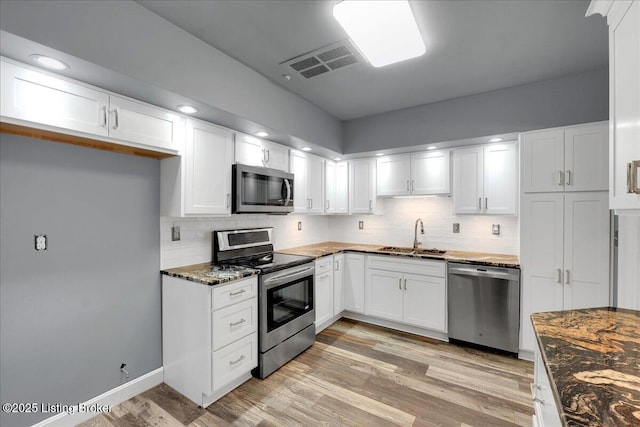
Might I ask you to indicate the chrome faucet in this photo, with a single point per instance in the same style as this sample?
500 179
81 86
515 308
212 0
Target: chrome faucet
415 234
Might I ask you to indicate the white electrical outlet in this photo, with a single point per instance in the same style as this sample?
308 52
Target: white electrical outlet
40 242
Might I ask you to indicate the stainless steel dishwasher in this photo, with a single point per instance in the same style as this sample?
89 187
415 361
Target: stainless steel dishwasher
484 305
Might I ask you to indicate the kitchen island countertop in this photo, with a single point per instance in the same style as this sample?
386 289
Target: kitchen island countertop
592 359
329 248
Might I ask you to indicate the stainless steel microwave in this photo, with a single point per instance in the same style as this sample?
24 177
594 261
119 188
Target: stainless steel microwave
261 190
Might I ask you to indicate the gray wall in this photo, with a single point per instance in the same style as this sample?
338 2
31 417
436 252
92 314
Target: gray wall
71 314
578 98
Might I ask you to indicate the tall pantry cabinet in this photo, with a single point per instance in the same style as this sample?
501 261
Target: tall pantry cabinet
564 222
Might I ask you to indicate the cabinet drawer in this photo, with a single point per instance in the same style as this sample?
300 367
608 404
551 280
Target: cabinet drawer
234 360
237 291
234 322
324 264
394 263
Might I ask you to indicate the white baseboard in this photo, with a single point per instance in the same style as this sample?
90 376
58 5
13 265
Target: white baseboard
109 398
398 326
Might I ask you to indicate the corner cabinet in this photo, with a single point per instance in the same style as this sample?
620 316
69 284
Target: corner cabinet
414 174
485 179
623 18
198 183
308 171
362 186
209 336
250 150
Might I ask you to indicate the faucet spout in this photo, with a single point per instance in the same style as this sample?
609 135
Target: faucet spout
415 233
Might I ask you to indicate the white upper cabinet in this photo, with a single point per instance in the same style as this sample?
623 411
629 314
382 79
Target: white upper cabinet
414 174
199 182
342 188
486 180
254 151
42 99
573 158
362 186
329 187
307 172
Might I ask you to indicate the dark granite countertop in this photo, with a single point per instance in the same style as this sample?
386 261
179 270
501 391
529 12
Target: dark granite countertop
592 358
208 274
329 248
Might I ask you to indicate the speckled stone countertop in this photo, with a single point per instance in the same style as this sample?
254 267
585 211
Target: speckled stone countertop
209 275
328 248
592 358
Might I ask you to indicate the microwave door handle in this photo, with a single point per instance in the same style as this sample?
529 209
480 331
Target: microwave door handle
288 186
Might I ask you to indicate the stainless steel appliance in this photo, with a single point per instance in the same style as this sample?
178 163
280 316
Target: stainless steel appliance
261 190
286 309
484 305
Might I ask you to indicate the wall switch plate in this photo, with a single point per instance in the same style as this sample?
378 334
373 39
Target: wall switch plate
495 229
456 227
175 233
40 242
299 225
360 225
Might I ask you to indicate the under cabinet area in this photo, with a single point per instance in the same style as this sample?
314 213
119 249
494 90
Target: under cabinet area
407 291
209 336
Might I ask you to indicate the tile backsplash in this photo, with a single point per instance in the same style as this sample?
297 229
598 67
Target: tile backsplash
394 227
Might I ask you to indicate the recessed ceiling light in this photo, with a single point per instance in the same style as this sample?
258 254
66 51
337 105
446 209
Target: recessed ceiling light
306 148
187 109
431 147
379 154
287 77
337 159
49 62
385 31
262 134
495 140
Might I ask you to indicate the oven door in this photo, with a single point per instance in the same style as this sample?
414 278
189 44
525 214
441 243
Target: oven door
261 190
286 304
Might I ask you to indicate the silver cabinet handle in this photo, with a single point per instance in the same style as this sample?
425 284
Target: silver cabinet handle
233 362
632 177
240 292
537 399
268 155
568 278
326 204
568 177
264 156
559 275
239 322
405 284
115 119
486 203
104 116
413 185
228 200
408 185
400 284
480 203
337 268
370 204
537 387
560 178
311 202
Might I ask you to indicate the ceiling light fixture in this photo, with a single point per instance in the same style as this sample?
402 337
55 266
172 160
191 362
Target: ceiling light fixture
379 154
49 62
187 109
431 147
337 159
495 140
385 31
262 134
306 148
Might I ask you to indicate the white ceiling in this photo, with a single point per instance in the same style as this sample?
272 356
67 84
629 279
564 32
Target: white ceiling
472 47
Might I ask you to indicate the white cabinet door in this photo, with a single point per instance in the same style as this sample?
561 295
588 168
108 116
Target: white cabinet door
249 150
425 301
208 158
393 175
624 107
342 188
585 152
323 297
541 236
299 170
354 282
384 294
542 161
362 186
145 124
431 172
329 187
338 281
40 98
467 180
277 156
586 250
500 179
315 179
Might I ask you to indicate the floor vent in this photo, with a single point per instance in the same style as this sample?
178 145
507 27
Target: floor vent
324 60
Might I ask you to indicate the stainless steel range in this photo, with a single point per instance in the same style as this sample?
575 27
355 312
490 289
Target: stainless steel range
285 294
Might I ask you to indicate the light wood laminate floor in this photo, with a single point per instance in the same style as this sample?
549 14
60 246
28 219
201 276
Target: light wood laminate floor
359 375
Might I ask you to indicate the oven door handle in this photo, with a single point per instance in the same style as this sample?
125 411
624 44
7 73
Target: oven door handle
283 277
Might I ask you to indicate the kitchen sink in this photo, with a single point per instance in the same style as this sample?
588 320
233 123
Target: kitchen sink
411 251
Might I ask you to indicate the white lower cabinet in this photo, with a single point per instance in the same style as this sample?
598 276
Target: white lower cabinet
338 284
544 405
323 286
354 282
209 336
407 291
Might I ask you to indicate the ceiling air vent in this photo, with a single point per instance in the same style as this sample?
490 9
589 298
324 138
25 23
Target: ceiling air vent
324 60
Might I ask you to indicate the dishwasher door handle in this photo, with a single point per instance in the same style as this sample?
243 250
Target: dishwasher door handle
496 274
